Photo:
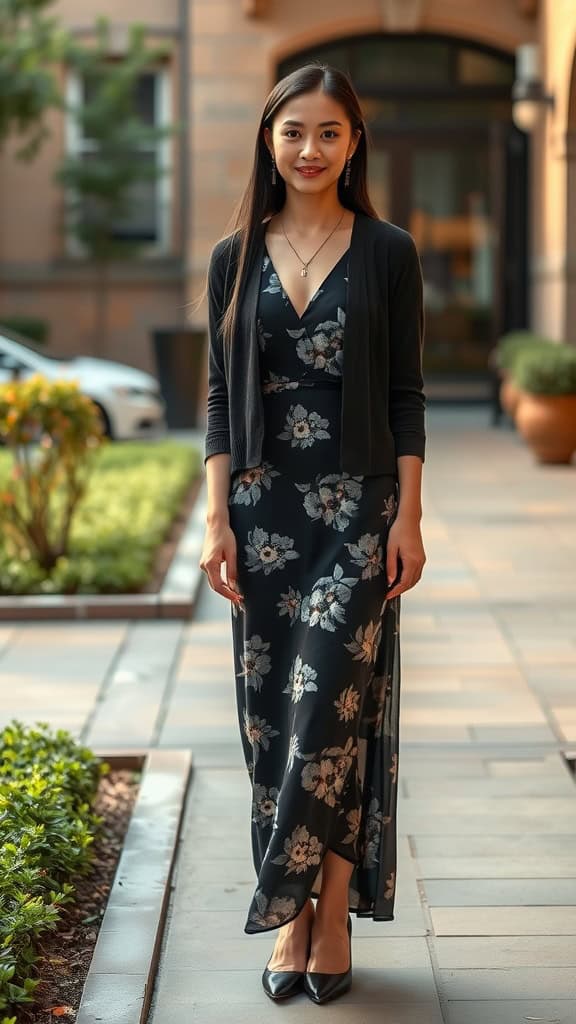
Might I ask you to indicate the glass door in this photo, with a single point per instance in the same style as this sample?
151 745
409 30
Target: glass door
442 189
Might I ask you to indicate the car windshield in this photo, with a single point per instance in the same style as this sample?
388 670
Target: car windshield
15 342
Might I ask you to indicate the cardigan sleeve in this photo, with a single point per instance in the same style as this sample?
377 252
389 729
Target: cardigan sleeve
218 420
406 397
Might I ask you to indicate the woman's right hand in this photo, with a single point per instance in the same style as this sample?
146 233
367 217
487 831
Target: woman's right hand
220 546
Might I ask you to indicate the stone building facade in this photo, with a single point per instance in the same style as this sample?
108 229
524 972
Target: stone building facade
493 210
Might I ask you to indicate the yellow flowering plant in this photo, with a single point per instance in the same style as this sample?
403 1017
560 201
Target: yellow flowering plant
53 432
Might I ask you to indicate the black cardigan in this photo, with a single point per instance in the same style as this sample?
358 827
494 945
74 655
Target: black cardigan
383 401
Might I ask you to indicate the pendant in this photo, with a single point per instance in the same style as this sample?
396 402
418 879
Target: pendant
304 272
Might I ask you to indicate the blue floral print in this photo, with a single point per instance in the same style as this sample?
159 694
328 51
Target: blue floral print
300 680
264 805
256 662
290 604
325 605
303 428
334 499
248 484
259 733
273 285
268 552
322 349
368 554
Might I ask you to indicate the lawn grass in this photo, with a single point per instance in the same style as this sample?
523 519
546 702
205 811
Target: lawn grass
134 494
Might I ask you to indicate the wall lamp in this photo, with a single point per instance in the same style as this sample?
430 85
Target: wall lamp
528 96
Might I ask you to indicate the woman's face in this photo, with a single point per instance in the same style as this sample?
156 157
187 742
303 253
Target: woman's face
311 132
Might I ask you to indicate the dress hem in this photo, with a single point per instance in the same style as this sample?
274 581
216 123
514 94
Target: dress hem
311 895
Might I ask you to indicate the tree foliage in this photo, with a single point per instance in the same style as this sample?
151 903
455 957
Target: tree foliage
101 189
31 43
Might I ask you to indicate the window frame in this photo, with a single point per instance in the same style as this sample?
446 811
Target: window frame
164 185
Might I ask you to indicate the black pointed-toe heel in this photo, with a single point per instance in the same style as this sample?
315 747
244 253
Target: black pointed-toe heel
323 987
282 984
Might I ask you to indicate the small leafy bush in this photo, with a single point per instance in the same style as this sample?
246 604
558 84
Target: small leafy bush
30 326
52 431
47 784
132 497
511 345
547 372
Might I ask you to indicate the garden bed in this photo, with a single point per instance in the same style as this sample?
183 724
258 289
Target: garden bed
130 512
67 952
87 846
169 571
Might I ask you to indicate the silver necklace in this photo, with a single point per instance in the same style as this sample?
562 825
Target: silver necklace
306 264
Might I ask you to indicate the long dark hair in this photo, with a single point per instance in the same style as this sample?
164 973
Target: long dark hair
262 199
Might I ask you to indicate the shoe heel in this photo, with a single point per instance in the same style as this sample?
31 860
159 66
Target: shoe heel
321 987
280 985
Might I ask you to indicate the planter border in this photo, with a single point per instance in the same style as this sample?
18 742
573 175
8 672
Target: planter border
120 980
175 599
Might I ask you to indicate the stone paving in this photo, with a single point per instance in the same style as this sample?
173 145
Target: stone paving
485 927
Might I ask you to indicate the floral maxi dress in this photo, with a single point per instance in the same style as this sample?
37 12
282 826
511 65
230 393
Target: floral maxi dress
315 642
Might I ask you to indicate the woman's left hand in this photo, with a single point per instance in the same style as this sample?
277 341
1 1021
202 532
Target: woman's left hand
404 542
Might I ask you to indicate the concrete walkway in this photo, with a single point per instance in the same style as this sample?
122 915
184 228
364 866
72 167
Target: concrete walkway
485 927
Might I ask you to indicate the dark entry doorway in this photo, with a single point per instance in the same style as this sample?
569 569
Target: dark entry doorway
447 164
439 188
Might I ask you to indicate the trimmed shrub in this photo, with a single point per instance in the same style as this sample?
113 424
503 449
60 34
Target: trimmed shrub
52 431
47 784
511 345
549 371
28 326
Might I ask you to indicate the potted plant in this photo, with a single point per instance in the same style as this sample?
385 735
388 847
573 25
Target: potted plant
546 413
506 352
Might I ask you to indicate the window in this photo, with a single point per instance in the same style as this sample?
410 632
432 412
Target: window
146 220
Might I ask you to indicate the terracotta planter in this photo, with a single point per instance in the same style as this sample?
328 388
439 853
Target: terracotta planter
509 395
548 424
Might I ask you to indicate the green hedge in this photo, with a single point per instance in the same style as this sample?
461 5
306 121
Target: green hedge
47 785
133 496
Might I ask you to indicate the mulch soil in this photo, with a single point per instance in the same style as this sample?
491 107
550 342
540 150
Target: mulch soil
67 951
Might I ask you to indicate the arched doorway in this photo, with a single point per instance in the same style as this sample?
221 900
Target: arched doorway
570 325
447 163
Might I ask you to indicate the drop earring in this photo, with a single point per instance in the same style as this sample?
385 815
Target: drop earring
273 171
347 178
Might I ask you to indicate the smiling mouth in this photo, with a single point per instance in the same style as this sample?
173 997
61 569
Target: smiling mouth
310 171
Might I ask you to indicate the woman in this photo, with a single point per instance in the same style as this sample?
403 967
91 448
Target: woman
314 453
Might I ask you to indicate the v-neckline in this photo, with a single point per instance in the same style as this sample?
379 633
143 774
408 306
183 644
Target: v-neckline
321 285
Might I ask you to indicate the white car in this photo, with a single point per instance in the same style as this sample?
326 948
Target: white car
129 400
